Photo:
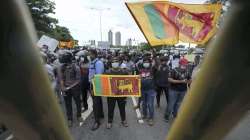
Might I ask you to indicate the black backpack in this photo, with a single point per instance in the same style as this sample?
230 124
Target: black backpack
69 74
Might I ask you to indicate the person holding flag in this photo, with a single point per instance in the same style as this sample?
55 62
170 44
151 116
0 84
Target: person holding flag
121 101
148 90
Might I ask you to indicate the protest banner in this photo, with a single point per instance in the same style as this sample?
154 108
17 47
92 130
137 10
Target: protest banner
117 85
48 41
67 44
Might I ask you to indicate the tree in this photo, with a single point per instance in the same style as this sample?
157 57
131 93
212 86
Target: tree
44 23
62 33
40 10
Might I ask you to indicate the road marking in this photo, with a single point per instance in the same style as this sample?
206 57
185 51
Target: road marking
10 137
138 113
86 114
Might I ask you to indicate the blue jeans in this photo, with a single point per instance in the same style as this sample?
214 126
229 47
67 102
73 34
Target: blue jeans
175 100
148 97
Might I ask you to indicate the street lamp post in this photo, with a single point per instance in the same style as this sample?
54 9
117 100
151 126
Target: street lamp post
100 10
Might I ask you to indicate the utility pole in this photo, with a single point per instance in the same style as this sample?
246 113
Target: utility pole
100 10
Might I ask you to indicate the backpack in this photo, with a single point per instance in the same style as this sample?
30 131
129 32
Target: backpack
69 74
161 76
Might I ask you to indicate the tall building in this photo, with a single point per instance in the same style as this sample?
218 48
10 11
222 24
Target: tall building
103 45
129 42
92 42
110 37
118 38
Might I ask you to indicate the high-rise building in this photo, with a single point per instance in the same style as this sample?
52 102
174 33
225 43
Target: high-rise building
103 45
118 38
110 37
129 42
92 42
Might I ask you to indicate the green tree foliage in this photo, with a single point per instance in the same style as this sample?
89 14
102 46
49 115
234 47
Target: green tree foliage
62 33
41 11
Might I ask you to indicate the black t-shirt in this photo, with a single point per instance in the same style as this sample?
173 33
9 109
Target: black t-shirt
116 72
147 81
179 74
161 76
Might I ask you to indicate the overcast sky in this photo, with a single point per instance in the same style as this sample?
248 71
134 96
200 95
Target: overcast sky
84 22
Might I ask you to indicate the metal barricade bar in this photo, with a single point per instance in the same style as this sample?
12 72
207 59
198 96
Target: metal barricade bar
28 105
220 96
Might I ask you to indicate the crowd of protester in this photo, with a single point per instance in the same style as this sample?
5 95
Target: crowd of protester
71 72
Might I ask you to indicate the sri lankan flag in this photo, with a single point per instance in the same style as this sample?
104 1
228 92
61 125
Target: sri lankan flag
164 22
117 85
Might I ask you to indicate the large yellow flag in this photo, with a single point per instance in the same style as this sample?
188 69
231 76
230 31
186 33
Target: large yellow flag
164 22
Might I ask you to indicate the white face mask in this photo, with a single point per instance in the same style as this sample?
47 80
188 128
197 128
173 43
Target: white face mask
183 67
82 59
88 57
85 66
146 65
115 65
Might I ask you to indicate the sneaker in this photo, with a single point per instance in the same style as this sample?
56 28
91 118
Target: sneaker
124 124
144 118
79 119
84 110
70 123
136 107
102 116
158 105
95 126
150 122
109 125
166 118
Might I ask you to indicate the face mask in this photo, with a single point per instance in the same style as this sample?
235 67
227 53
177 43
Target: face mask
76 57
85 66
140 61
82 59
89 58
115 65
164 63
183 67
44 50
146 65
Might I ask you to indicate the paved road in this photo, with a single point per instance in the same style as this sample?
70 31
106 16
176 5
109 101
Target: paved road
137 131
241 131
